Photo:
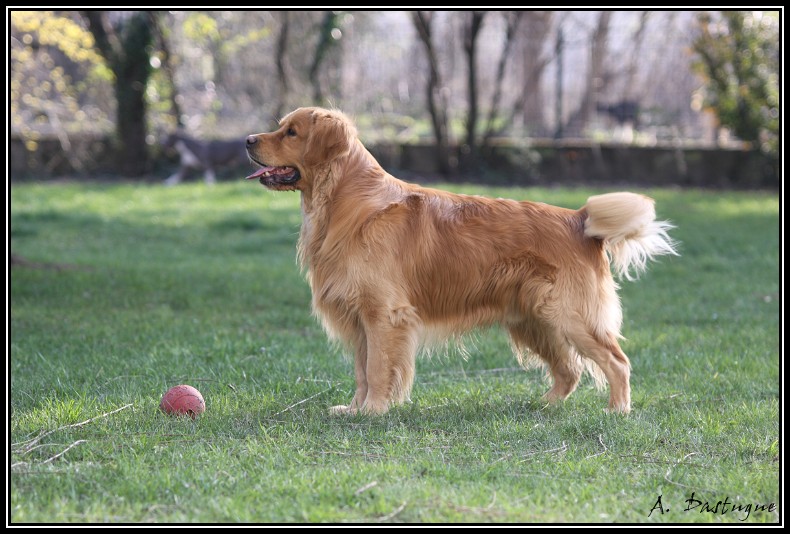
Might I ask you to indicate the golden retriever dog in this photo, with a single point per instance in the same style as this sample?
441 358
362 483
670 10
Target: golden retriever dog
393 266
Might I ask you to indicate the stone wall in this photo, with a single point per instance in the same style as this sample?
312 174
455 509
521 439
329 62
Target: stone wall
583 163
540 162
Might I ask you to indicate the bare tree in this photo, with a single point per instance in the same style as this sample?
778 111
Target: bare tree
636 55
529 31
323 46
437 104
473 22
535 32
124 42
168 66
281 55
595 81
513 20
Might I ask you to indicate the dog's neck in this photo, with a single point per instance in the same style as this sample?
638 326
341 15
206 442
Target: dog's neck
317 200
316 203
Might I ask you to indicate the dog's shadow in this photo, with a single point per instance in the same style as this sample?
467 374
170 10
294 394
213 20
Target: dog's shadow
461 412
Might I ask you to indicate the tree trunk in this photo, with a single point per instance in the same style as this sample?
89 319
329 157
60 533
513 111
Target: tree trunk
536 31
513 20
282 53
596 81
168 68
437 107
325 42
631 91
472 26
126 46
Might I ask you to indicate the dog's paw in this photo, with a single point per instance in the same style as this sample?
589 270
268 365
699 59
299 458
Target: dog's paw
553 397
368 408
373 407
621 409
342 410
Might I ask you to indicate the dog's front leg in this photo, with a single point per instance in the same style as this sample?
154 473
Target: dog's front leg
384 359
392 339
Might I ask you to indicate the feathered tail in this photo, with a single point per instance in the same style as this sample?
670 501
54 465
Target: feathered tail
626 222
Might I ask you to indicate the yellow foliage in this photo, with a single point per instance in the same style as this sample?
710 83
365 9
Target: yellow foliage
41 90
63 33
201 27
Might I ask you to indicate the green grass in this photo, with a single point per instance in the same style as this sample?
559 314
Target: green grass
199 285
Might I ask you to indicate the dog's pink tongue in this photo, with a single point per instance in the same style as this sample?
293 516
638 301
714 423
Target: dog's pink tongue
260 172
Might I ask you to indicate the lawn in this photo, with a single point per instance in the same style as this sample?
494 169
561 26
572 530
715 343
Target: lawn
136 288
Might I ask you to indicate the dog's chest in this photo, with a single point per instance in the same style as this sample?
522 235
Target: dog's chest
329 268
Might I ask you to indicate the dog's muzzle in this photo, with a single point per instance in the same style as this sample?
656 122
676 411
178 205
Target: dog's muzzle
270 175
273 176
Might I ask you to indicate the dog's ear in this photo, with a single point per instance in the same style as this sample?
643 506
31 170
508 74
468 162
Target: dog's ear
331 136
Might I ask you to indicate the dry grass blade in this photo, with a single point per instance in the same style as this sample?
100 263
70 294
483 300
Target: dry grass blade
27 446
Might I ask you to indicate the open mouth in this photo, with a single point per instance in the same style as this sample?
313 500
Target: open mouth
275 176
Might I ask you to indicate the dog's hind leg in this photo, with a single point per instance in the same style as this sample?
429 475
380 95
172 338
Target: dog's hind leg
564 363
605 352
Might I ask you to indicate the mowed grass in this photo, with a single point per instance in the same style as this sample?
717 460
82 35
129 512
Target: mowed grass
199 285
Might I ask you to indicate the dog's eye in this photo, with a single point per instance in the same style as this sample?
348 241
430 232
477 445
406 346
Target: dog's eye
291 132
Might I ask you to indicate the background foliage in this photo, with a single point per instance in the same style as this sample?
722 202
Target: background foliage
738 57
448 76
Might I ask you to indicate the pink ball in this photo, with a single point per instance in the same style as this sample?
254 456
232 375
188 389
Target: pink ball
183 400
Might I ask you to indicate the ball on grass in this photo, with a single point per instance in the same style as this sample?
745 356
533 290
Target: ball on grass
183 400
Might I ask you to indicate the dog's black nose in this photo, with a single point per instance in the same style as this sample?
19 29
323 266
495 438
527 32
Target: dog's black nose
251 140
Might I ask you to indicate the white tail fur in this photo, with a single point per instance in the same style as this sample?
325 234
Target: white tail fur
626 222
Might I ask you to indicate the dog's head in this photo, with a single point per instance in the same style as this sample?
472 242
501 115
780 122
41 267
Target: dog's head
307 140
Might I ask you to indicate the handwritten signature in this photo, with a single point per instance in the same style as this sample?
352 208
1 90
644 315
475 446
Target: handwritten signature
694 504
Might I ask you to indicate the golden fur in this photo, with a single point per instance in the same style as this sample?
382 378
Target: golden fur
393 265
